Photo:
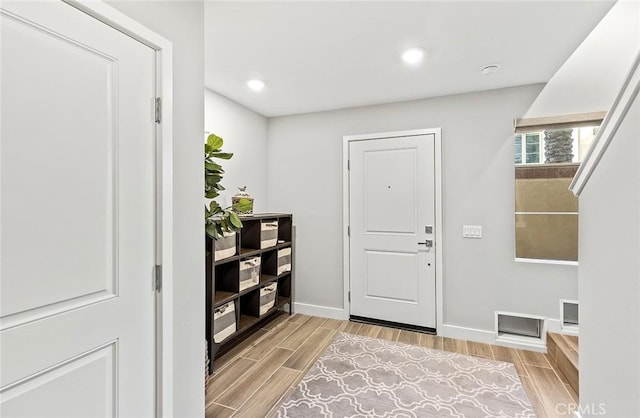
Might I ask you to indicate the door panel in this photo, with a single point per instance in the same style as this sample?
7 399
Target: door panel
389 188
381 265
391 202
54 193
81 387
77 216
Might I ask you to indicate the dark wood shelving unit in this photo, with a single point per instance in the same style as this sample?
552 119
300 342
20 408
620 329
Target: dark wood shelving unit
223 280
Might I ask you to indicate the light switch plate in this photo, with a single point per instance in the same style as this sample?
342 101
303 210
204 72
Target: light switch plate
472 231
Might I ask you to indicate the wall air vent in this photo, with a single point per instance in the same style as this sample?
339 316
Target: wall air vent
569 312
519 325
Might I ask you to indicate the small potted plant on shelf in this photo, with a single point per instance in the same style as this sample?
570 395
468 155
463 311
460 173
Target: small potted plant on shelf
242 202
221 224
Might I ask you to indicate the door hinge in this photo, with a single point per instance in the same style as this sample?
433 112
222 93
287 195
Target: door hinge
349 296
158 109
348 164
348 230
158 277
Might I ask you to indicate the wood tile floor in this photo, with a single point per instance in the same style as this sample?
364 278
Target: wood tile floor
253 378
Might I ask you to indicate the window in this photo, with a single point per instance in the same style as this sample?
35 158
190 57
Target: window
532 151
536 145
546 212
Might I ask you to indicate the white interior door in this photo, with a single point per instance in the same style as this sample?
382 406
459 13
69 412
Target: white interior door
77 214
391 218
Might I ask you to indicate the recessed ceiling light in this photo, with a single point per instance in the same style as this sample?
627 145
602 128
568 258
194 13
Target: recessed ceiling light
489 69
413 56
255 84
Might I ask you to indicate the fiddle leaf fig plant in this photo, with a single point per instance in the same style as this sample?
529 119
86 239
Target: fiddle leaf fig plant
218 220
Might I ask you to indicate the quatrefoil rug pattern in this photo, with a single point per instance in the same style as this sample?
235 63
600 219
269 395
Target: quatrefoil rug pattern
367 377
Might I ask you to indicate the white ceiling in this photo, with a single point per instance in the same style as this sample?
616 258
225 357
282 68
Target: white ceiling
317 56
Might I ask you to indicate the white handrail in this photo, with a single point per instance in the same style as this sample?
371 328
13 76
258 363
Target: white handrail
609 127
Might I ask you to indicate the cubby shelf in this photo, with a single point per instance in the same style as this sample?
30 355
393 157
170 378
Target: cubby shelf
221 298
248 252
247 321
267 278
282 301
223 278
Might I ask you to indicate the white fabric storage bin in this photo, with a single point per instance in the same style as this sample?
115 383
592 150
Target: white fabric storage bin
267 297
224 321
225 246
268 234
284 260
249 272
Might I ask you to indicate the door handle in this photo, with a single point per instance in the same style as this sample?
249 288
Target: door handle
427 243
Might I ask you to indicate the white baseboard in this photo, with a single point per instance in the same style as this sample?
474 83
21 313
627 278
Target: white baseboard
556 325
571 330
321 311
489 337
445 330
469 334
524 343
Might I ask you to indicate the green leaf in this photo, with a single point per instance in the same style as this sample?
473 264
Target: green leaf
243 205
235 220
213 173
212 181
213 169
212 231
214 208
211 194
214 141
222 155
211 165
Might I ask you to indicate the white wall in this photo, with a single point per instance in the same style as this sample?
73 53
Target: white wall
592 76
480 276
609 277
245 134
182 23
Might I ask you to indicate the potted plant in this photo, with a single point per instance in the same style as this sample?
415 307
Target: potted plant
218 220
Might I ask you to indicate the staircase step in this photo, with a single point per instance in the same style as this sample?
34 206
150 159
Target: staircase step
563 353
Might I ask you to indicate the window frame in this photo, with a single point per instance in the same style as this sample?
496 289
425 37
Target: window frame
541 162
523 148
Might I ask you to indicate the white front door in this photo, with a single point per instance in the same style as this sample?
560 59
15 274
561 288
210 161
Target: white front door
77 215
391 218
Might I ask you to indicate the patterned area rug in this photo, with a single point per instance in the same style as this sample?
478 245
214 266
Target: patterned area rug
367 377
